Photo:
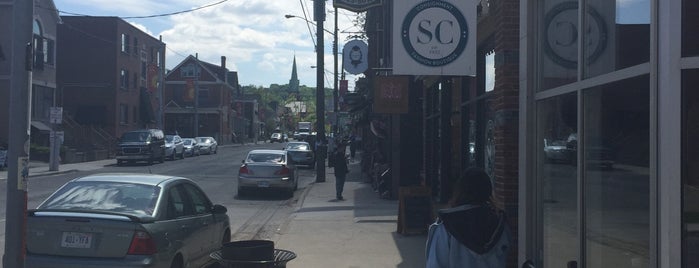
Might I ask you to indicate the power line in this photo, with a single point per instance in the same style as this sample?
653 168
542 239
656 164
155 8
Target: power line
143 17
308 24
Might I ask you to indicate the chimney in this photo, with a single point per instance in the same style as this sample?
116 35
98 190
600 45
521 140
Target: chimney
223 69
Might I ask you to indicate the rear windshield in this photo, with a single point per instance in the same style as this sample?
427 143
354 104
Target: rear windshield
265 158
135 136
297 146
129 198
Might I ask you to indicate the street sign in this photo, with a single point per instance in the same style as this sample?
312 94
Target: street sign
56 116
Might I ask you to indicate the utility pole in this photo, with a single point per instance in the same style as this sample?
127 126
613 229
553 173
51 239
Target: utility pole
196 97
336 109
319 16
22 60
161 84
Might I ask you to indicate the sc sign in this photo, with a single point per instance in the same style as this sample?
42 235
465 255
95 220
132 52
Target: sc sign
436 37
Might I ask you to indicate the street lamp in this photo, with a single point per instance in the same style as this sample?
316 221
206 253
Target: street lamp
335 78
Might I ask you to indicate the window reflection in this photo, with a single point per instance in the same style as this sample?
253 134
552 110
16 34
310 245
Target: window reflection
690 28
558 188
558 43
617 35
690 168
616 146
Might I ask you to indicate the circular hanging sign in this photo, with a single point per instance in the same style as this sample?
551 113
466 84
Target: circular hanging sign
354 57
434 33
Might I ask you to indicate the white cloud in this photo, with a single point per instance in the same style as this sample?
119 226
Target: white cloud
257 40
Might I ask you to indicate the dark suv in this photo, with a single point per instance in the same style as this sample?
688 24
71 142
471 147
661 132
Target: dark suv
141 145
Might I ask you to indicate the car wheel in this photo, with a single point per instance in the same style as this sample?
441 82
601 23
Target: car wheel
177 262
216 151
182 154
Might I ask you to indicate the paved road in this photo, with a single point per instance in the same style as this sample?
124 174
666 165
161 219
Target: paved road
254 217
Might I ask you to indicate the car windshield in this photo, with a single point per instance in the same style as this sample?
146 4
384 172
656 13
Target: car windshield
276 135
129 198
204 140
135 136
187 142
169 138
265 158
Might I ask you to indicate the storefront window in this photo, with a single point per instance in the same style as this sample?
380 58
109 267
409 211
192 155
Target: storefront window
616 152
557 170
617 35
558 43
690 28
690 168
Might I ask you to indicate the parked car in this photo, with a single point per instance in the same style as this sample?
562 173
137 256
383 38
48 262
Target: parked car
597 153
191 147
267 169
278 137
301 153
174 147
126 220
556 151
207 145
141 145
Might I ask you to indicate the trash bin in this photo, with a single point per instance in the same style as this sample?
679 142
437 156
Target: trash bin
252 254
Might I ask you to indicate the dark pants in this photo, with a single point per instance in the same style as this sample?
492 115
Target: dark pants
339 183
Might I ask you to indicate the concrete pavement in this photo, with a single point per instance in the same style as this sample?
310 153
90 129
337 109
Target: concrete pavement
358 232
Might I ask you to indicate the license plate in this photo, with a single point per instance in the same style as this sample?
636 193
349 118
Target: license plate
76 240
262 184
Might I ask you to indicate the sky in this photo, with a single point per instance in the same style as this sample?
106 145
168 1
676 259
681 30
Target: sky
255 37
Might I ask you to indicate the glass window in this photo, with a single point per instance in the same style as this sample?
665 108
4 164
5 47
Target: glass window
690 168
616 151
201 203
557 172
558 43
617 35
690 28
175 204
109 196
123 114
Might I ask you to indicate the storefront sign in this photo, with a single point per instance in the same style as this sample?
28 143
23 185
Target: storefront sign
437 37
356 5
391 95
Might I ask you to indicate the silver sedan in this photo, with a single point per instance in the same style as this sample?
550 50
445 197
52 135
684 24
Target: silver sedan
126 220
267 169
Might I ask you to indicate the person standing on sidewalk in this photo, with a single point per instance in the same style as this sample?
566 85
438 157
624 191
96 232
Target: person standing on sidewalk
341 170
471 232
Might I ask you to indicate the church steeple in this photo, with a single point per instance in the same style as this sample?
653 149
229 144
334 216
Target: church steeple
294 81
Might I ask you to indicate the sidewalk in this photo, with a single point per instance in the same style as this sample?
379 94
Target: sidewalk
358 232
38 168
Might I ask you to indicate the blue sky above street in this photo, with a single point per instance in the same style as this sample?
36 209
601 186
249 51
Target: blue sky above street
257 40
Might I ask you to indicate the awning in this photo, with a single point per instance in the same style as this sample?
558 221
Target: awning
40 126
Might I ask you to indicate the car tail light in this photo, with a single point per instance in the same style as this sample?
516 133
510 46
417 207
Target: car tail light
244 170
283 171
142 244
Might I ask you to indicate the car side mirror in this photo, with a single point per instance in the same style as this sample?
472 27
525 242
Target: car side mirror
219 209
242 161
